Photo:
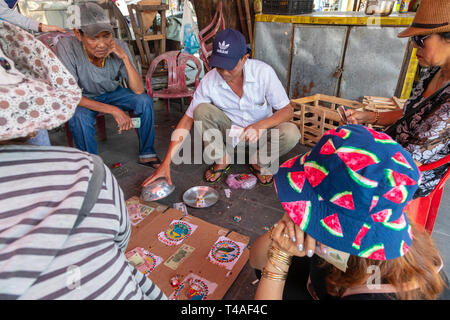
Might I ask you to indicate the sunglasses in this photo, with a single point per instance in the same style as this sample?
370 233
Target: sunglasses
420 40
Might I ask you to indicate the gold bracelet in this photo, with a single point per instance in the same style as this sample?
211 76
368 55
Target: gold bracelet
278 258
281 252
276 266
280 255
273 276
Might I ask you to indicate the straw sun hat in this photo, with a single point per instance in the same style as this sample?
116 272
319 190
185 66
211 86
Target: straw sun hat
36 90
432 16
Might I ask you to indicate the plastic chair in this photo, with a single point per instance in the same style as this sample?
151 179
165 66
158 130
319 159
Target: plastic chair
217 24
424 210
176 86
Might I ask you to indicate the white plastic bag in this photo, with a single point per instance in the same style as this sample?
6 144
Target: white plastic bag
241 181
189 31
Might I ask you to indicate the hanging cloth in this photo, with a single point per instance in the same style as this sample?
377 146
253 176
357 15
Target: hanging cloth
189 31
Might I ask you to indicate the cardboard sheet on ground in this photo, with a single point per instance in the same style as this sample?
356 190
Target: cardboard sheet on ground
189 259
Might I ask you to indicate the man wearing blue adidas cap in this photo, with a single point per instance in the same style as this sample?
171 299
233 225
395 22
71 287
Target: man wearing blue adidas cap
242 92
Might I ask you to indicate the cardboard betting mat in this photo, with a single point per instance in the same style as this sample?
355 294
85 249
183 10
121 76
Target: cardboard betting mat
186 257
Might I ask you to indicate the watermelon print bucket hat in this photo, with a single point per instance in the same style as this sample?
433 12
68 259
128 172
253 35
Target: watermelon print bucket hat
349 192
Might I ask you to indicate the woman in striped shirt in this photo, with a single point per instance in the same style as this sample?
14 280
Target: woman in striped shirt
64 225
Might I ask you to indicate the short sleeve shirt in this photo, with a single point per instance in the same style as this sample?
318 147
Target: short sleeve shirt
94 81
263 92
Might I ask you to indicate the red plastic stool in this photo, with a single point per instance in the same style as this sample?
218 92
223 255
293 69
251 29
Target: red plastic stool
423 211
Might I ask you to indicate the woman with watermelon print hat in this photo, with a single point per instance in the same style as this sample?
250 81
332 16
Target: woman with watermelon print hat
422 127
346 198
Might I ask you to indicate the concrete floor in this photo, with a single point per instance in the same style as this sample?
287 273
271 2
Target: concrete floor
259 207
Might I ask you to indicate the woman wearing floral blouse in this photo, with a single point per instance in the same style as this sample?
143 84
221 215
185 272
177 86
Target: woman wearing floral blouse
422 128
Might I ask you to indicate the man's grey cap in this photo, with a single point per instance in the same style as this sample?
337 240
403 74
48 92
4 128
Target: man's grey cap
93 19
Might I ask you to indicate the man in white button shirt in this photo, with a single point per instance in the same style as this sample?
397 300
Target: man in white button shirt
238 92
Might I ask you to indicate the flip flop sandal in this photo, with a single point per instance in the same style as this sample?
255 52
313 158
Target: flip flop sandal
151 164
221 171
256 172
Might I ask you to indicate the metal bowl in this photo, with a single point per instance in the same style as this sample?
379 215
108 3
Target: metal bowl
200 197
379 7
156 190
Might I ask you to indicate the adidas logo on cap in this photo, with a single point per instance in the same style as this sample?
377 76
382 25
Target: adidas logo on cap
223 47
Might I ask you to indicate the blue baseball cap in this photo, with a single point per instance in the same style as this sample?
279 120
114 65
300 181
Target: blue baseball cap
350 191
228 47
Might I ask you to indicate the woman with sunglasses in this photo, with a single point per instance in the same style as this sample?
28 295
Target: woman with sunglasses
422 127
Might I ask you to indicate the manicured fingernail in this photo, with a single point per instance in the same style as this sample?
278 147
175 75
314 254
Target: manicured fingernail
294 239
300 247
324 250
309 253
